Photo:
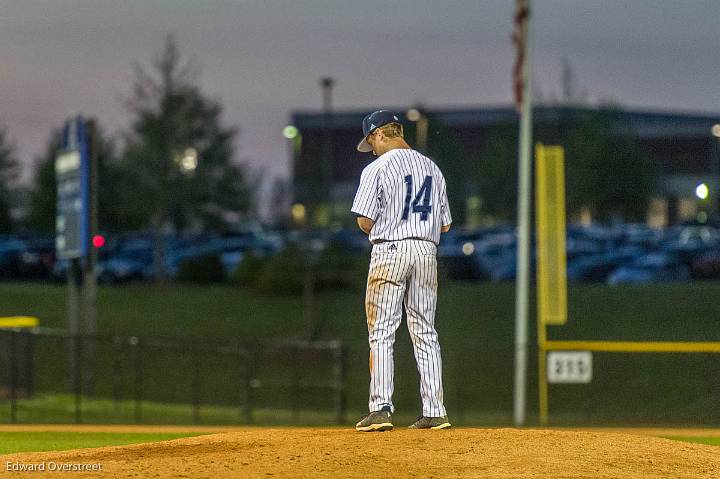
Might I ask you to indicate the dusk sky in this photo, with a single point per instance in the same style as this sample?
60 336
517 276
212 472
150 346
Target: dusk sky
263 59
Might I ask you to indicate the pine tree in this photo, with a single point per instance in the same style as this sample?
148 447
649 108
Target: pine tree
179 152
9 173
43 193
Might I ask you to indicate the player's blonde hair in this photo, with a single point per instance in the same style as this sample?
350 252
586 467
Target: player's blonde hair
392 130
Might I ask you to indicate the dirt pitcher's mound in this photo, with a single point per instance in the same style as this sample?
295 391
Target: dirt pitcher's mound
339 453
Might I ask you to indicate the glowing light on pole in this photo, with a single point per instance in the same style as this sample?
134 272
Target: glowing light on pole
421 124
413 114
290 132
298 212
702 191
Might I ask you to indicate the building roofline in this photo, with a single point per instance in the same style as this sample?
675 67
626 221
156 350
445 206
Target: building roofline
645 122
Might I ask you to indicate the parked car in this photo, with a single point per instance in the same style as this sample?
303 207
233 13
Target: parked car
593 268
640 235
698 236
37 260
461 265
652 268
706 265
597 267
496 255
579 247
11 251
125 266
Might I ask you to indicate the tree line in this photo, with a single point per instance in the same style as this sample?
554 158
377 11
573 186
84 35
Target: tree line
606 171
171 168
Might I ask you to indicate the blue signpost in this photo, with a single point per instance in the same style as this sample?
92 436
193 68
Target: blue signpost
75 223
72 171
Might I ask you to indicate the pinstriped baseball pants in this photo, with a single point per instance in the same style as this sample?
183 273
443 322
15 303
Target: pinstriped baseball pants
404 273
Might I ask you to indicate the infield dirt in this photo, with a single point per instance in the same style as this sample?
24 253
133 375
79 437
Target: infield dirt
339 453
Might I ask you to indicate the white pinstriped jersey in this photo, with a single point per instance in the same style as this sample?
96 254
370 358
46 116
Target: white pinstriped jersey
404 192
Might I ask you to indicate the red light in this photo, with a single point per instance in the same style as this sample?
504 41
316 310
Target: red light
98 241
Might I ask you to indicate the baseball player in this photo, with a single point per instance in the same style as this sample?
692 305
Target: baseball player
402 205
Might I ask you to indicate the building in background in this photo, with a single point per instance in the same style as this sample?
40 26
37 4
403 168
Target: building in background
682 146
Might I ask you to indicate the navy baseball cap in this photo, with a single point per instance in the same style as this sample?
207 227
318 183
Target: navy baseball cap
372 122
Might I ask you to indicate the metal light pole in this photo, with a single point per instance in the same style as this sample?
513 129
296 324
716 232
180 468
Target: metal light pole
418 116
715 189
325 195
320 198
523 236
89 274
327 84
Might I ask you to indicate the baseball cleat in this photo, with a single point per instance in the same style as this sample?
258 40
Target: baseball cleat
424 422
376 421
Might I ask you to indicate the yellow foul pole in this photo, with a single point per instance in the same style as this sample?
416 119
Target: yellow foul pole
551 255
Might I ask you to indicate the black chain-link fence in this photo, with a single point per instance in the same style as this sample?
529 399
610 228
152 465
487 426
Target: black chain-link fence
51 376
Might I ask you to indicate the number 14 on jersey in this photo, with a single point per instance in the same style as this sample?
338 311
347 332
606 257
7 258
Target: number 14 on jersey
421 203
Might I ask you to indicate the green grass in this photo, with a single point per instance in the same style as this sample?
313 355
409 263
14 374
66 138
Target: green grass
661 312
476 327
172 310
13 442
711 441
60 408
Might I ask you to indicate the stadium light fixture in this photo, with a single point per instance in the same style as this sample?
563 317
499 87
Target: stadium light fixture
413 114
298 212
290 132
702 191
716 130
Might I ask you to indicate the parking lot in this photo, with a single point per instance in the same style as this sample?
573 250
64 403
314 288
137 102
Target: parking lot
624 253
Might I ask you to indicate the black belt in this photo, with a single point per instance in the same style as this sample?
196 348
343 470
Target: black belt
378 241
